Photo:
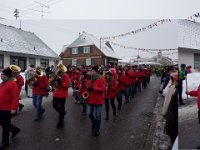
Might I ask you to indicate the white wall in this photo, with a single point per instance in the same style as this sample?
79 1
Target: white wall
37 62
186 57
6 60
51 62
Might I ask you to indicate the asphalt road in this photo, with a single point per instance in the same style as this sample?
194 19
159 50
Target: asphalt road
126 131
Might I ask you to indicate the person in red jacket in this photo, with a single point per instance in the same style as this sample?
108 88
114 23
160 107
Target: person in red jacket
120 87
39 88
83 84
128 77
196 93
19 80
111 90
76 85
9 101
60 83
96 99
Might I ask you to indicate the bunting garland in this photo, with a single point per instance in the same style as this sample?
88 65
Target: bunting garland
192 18
150 26
143 29
143 49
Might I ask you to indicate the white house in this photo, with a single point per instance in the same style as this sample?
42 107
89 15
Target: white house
189 43
24 48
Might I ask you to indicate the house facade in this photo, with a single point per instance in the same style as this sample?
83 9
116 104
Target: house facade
24 48
88 50
189 44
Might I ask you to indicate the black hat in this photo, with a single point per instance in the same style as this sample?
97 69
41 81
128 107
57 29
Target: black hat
109 73
8 72
183 65
95 68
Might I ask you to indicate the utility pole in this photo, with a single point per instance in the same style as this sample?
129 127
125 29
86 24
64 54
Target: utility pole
16 13
42 7
100 42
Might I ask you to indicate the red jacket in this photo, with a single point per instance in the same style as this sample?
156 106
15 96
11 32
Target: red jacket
9 99
20 83
63 91
134 77
83 87
97 95
121 83
141 76
128 77
112 90
41 88
196 93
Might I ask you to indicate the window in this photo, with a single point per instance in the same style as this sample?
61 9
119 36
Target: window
1 62
20 61
86 49
32 61
74 62
88 61
75 50
196 60
44 63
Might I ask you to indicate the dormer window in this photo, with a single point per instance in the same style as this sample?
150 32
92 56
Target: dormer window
86 50
75 50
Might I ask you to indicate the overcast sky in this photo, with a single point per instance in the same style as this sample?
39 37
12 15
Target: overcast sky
101 18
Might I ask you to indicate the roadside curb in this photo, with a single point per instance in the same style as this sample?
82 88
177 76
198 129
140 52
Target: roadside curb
157 139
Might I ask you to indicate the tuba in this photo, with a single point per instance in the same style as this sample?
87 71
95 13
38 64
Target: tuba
57 82
33 79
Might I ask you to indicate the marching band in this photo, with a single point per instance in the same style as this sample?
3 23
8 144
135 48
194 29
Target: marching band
91 87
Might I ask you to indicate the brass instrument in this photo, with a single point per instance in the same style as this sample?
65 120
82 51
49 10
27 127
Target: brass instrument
118 78
108 80
106 88
57 82
85 95
15 68
33 79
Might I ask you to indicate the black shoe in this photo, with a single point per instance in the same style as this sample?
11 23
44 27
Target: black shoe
114 113
127 101
4 145
43 111
106 118
37 119
15 133
198 147
21 107
119 108
182 103
96 133
59 125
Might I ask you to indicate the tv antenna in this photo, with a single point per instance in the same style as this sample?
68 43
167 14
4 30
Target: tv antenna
42 8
